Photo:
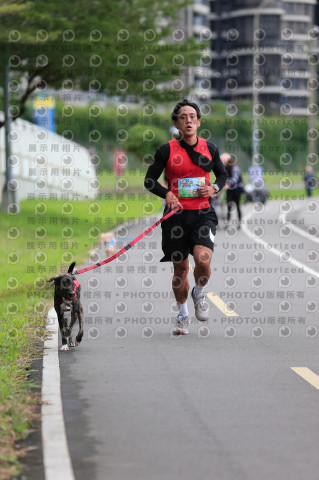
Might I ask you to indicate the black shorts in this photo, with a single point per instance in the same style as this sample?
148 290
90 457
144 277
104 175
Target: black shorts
185 229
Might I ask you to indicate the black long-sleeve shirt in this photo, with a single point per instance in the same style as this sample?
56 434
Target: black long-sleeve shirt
160 159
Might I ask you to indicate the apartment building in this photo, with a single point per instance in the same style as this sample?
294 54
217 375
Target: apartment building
264 46
195 22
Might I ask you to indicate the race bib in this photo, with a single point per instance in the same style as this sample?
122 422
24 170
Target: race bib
187 187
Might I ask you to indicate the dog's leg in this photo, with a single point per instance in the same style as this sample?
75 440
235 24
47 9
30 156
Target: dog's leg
81 319
73 320
63 323
64 334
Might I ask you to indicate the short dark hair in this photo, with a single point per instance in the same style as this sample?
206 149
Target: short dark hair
184 103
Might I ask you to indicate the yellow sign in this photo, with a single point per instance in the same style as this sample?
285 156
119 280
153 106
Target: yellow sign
44 102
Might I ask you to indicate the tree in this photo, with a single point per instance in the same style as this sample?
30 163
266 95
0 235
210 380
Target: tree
119 47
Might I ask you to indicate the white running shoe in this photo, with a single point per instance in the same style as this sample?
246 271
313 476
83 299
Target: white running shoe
201 308
181 327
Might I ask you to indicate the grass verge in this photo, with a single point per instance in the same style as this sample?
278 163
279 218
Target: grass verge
21 337
39 242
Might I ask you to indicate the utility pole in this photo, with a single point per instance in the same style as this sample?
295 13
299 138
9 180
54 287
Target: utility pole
312 106
257 80
8 195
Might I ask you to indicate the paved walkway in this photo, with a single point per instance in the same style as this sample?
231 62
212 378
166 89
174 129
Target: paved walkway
222 402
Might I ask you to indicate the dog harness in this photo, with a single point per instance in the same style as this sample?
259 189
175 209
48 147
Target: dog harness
77 286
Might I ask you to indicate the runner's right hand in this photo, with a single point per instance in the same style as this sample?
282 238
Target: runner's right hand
172 201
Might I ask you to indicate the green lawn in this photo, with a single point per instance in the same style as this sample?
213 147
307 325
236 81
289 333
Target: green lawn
130 180
275 182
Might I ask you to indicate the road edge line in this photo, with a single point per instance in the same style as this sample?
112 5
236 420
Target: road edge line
299 231
56 456
275 251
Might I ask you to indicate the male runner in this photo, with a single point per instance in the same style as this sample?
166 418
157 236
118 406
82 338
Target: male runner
188 161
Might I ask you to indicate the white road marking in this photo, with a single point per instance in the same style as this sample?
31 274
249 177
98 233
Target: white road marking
56 457
273 250
296 229
308 375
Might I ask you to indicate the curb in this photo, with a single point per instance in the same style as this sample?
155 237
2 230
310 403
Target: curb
56 456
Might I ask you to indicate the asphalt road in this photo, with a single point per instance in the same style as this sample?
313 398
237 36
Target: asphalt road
223 402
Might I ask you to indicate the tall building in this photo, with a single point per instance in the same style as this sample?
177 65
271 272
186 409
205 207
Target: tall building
266 48
195 22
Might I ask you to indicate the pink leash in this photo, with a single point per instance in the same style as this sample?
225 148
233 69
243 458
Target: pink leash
129 245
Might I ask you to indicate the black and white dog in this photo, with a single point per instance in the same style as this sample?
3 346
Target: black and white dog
67 299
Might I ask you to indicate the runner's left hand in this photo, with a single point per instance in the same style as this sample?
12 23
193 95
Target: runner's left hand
205 190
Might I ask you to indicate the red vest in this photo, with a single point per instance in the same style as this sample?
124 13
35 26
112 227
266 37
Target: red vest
179 165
